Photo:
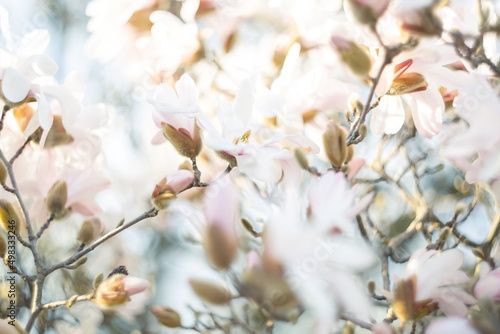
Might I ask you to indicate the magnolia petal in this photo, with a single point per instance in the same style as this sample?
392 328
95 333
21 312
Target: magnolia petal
34 43
187 91
427 108
259 167
180 179
44 114
15 85
159 138
388 117
243 103
451 325
134 285
75 82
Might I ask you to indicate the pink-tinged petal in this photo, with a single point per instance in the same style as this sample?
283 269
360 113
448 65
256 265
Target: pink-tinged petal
180 179
427 110
382 328
355 166
86 208
305 143
134 285
452 309
187 91
158 139
451 325
488 286
34 43
15 85
222 208
360 206
253 260
388 117
5 327
448 78
70 107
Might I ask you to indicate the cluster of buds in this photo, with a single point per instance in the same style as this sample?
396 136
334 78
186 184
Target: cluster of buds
118 288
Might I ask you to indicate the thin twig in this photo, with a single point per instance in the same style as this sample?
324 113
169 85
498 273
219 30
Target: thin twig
20 150
45 226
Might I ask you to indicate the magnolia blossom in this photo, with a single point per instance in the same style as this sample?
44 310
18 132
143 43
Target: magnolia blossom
320 266
22 71
430 280
240 142
82 185
332 202
489 283
222 213
473 144
414 78
177 108
118 288
451 325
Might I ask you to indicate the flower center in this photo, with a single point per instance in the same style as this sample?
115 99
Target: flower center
243 139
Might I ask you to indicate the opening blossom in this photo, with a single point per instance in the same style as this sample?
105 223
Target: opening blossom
430 281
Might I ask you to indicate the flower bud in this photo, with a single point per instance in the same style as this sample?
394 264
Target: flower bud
348 328
355 57
301 159
366 11
371 287
117 289
182 141
210 292
98 280
167 316
162 195
408 83
444 234
3 173
90 230
56 198
423 22
335 146
3 245
8 215
57 135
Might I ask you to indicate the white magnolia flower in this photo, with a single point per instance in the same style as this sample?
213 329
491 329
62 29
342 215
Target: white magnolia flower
240 140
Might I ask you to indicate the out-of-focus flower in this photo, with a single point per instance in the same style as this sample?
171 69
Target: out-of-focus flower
366 11
451 325
175 113
413 77
473 144
430 282
418 17
6 328
355 57
170 186
238 141
383 328
166 316
331 202
21 72
222 214
118 288
9 217
82 186
489 283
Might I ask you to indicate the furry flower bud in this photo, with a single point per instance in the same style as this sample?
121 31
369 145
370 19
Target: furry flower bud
187 145
9 217
117 289
167 316
90 230
355 57
56 198
335 146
